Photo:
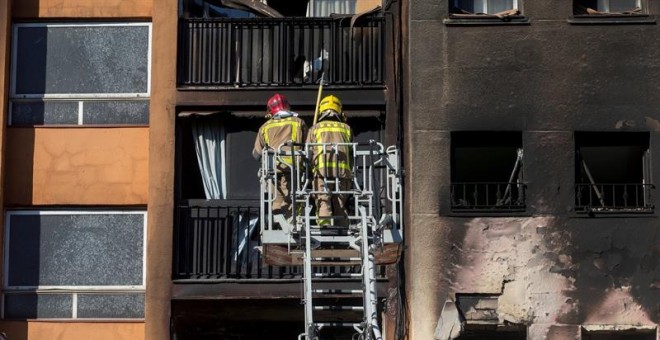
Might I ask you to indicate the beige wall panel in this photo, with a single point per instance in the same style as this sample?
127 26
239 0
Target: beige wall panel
82 9
94 166
20 330
363 5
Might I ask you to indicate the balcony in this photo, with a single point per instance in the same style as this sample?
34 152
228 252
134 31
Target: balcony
488 197
613 198
217 240
271 52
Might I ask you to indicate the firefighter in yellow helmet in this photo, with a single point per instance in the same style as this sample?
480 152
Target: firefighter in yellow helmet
282 126
331 167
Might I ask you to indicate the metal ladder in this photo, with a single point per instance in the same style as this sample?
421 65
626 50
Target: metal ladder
370 225
368 327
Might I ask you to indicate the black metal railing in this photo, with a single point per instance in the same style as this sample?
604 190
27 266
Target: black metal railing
488 196
216 239
255 52
614 197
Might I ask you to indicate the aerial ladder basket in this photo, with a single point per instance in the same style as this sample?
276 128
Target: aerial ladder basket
376 186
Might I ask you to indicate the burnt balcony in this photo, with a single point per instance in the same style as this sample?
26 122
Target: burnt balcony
272 52
488 196
614 198
219 240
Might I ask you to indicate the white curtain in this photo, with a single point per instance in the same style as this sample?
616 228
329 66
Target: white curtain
209 135
243 227
323 8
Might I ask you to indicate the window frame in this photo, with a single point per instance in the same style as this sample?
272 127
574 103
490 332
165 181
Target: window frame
77 98
31 212
607 4
593 139
128 95
456 18
462 140
589 331
614 18
485 5
68 290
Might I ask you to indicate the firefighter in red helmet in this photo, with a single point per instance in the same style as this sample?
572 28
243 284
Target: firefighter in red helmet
282 126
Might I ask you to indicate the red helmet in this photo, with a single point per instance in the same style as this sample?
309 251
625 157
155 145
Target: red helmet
277 103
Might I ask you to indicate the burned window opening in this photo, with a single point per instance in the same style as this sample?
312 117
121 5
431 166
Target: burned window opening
607 7
632 334
613 173
487 172
491 332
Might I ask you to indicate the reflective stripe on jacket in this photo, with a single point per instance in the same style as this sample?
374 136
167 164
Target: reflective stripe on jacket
275 132
328 163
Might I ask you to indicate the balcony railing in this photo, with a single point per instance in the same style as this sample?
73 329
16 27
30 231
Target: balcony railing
488 196
614 198
254 52
218 240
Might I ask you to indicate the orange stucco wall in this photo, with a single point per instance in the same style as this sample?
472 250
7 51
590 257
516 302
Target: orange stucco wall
362 5
161 171
40 330
90 166
82 8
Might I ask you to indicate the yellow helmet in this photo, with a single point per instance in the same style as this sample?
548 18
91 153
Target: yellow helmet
330 103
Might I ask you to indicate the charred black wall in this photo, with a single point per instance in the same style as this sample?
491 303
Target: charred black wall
546 78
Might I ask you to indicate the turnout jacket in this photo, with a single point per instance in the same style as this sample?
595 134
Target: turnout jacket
277 131
325 161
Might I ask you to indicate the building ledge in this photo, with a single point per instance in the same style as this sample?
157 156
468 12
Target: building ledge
485 20
612 19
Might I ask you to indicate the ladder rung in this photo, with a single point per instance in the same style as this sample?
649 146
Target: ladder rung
338 308
337 291
336 259
332 238
337 324
337 263
337 274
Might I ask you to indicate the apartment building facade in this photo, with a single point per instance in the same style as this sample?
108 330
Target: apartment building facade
130 194
531 141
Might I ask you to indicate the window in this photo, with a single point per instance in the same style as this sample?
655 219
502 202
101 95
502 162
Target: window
507 7
325 8
80 74
216 157
613 172
478 332
633 334
74 264
598 7
487 171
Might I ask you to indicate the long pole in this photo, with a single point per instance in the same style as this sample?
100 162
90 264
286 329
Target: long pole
318 99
